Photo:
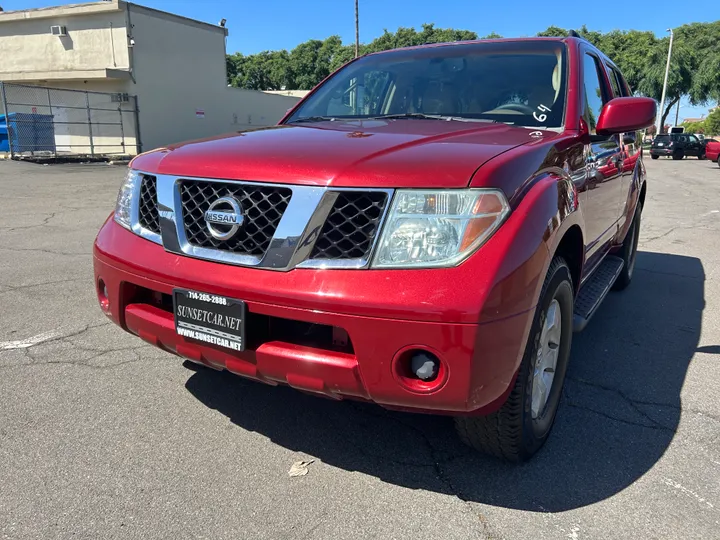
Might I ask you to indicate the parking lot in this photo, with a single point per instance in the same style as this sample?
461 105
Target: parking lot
103 436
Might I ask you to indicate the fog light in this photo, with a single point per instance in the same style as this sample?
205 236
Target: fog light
420 369
424 366
103 296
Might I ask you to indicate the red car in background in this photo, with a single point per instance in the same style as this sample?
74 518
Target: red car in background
712 150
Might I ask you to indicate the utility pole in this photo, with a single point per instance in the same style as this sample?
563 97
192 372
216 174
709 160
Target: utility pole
357 29
664 91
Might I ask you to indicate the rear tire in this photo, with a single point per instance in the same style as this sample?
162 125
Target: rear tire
654 157
521 426
678 155
628 252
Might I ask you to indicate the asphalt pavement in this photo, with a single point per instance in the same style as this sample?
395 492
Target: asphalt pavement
103 436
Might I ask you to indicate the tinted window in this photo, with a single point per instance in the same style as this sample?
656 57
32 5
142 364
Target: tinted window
664 139
614 82
693 139
360 96
624 88
593 92
520 83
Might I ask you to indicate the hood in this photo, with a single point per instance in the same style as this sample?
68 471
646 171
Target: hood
361 153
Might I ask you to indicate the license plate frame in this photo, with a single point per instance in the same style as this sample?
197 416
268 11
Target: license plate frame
210 318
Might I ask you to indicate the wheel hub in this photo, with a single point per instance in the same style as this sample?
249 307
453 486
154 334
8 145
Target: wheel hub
546 361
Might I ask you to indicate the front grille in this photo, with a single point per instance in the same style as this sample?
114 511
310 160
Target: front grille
149 218
262 206
350 228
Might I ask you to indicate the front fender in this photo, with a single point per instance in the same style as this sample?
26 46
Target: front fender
545 210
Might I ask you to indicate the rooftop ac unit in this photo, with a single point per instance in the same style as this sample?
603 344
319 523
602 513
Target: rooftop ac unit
58 30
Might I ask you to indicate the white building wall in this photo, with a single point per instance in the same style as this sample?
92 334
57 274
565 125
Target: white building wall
176 68
95 41
179 68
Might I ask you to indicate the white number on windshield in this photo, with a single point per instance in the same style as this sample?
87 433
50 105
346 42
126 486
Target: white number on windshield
541 117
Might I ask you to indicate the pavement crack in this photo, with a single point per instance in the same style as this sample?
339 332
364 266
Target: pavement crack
435 462
85 362
42 250
654 425
670 274
44 223
634 404
33 285
658 237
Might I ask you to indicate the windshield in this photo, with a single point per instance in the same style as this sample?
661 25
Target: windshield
520 83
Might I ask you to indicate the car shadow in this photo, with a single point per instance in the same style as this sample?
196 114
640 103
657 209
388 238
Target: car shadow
620 408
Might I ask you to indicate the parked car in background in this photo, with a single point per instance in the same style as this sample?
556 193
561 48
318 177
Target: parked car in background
425 231
677 146
712 149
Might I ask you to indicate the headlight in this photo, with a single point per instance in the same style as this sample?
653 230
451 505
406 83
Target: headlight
128 190
439 227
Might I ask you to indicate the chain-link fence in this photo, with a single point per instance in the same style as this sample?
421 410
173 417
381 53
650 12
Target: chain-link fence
50 122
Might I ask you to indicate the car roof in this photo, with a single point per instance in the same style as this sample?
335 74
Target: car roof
472 42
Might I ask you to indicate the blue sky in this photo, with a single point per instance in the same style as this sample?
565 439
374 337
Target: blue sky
281 24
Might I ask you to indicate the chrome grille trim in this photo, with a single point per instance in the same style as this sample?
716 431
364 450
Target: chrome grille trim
135 225
294 238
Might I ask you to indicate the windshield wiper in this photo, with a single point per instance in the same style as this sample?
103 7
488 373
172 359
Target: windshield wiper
423 116
313 119
411 115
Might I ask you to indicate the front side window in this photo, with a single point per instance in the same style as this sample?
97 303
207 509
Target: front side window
518 83
593 92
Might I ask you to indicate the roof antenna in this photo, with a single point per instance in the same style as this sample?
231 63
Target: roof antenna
573 33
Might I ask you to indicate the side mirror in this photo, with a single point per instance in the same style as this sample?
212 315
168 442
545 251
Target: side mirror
624 114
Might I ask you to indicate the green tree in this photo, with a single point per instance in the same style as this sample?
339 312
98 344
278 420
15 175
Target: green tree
641 56
409 37
712 122
694 127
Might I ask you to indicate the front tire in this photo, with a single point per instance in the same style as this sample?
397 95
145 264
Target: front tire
521 426
628 252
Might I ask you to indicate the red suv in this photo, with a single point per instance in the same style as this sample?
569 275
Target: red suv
425 231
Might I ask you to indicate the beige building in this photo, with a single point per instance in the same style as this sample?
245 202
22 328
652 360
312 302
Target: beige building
174 65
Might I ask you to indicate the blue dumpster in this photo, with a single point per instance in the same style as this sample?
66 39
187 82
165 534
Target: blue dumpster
28 132
4 146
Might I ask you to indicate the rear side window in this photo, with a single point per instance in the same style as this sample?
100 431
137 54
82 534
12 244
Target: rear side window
614 83
593 92
624 88
619 86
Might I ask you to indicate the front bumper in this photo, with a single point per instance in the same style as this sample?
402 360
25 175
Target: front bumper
454 313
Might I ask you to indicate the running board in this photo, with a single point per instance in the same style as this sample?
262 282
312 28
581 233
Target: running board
594 291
